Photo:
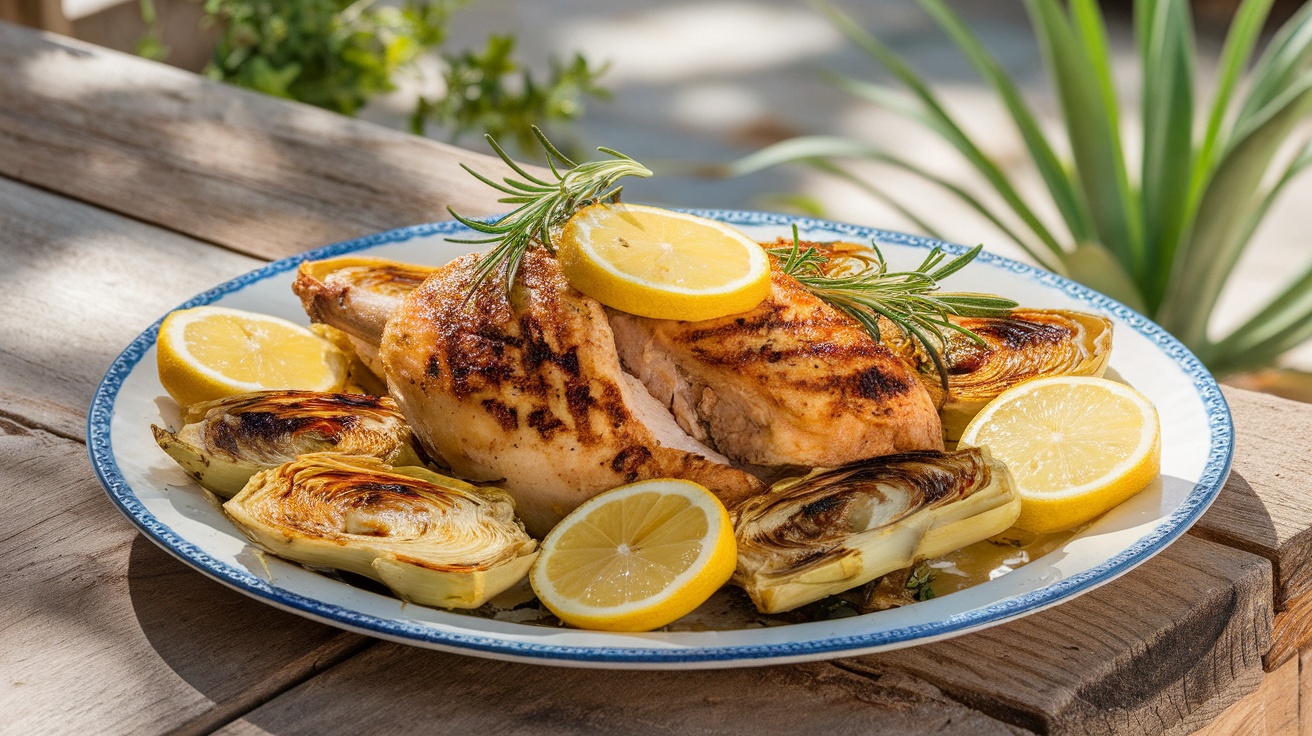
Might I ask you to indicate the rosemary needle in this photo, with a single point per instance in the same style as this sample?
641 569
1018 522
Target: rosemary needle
543 205
860 285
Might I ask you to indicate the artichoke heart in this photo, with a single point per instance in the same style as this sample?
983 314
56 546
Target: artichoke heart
432 540
1028 343
227 441
831 530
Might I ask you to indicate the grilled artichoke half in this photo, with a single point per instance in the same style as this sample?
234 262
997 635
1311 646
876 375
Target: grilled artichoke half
227 441
831 530
432 540
1026 344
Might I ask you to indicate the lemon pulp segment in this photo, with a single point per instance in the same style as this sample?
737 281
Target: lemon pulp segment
662 264
1077 446
636 558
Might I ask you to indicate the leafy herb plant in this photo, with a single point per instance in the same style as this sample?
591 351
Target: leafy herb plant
1161 233
488 92
334 54
339 54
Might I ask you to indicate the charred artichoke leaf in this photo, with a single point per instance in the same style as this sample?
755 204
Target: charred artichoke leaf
1026 344
831 530
430 539
225 442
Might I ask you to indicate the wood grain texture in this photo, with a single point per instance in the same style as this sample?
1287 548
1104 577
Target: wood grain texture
1164 649
1272 710
105 633
397 690
47 15
1291 633
78 284
1266 505
1305 693
253 173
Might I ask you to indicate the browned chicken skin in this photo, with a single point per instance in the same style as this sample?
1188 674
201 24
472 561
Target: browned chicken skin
357 296
534 397
791 382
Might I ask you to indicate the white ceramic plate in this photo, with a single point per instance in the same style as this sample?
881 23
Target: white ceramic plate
170 509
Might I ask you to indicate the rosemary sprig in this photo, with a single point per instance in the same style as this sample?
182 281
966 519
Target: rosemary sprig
860 284
543 205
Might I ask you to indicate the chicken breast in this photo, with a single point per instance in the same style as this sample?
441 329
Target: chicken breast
790 382
532 396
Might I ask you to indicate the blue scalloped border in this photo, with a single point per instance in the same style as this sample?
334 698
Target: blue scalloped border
1192 507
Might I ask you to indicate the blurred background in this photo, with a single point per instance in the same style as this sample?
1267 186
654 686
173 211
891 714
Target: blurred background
687 87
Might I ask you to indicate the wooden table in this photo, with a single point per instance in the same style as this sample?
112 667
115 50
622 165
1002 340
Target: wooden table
127 186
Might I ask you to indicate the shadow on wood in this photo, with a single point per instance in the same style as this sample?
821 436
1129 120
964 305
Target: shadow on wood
397 689
236 651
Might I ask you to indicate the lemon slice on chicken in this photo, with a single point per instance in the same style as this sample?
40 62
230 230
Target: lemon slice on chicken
637 557
1076 446
662 264
208 353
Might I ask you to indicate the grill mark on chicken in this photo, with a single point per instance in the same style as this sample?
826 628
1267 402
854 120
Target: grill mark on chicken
506 416
629 460
544 422
533 396
793 381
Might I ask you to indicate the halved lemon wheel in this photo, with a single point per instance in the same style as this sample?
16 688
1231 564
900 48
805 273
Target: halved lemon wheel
662 264
636 558
207 353
1076 446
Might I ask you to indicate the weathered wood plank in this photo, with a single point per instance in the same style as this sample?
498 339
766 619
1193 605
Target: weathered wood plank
256 174
399 690
1291 633
1305 693
1265 508
78 283
44 14
1270 711
1163 649
105 633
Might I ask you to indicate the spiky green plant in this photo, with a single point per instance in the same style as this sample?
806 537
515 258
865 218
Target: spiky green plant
1162 233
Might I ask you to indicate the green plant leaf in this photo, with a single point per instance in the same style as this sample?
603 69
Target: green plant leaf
878 193
1065 193
1281 325
1076 52
1166 43
1245 29
1094 266
1284 61
1221 229
814 150
946 126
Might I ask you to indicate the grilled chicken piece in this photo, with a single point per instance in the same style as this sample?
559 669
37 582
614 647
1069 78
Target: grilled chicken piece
357 296
791 382
532 397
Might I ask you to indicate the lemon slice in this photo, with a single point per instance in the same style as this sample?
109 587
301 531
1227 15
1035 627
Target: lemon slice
1077 446
657 263
207 353
637 557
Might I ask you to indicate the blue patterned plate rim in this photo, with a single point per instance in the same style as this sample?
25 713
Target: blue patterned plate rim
1192 507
